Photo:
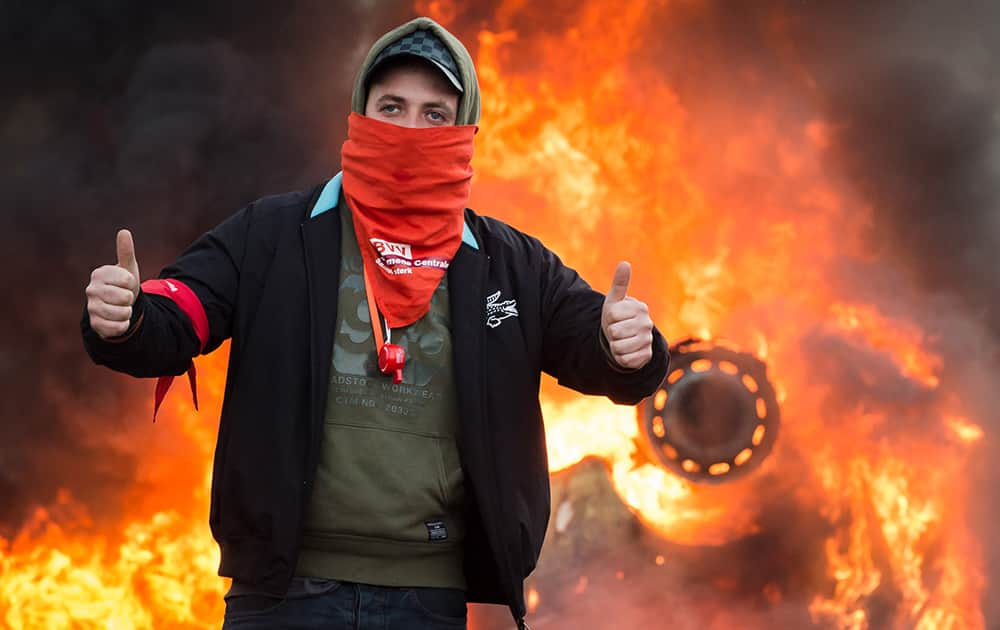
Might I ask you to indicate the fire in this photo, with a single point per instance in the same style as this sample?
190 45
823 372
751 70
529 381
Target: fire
892 518
904 341
734 228
159 570
965 430
532 600
604 160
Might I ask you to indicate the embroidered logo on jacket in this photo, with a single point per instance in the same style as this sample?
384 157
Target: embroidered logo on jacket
497 311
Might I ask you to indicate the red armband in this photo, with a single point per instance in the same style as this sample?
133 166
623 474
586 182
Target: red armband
190 305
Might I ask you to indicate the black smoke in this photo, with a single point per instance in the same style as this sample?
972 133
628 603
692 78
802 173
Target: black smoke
164 118
915 98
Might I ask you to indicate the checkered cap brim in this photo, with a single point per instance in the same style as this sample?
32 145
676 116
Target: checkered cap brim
427 45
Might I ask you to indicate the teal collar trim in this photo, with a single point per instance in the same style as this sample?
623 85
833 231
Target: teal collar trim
330 197
468 237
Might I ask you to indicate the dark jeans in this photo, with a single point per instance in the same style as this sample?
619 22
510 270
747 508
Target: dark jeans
330 604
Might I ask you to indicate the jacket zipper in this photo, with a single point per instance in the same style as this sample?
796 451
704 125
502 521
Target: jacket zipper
502 556
310 469
312 359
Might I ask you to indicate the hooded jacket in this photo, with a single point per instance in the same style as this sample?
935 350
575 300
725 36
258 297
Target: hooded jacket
266 280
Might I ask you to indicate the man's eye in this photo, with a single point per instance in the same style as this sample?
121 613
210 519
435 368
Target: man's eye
436 116
389 109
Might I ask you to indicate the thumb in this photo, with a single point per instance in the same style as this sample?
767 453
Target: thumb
619 285
126 253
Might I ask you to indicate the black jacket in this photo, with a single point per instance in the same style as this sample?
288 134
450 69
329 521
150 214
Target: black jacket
267 278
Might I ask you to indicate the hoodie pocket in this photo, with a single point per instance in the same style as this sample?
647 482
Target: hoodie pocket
381 484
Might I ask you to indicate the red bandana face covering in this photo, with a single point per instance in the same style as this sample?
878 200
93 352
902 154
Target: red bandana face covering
407 190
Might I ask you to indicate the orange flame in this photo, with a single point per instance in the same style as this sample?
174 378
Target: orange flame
568 151
158 571
965 430
905 342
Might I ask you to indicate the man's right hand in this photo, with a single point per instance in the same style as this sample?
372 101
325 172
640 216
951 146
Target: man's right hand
112 291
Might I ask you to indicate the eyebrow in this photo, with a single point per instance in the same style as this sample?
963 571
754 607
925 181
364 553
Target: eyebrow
392 98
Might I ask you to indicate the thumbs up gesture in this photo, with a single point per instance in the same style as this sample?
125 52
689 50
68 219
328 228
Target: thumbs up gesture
626 323
112 291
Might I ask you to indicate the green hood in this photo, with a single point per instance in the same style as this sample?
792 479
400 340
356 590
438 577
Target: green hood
468 104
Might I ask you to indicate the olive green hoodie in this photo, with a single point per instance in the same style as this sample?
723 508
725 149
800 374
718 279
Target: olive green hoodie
387 505
468 105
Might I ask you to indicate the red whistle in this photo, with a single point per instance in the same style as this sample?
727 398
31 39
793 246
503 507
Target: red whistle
391 359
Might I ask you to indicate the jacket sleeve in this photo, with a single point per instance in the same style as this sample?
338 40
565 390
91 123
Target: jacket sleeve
162 340
573 346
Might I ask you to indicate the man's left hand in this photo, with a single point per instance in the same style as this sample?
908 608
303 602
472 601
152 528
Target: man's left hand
626 323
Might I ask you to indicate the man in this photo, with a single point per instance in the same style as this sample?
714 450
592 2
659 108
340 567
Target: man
381 458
